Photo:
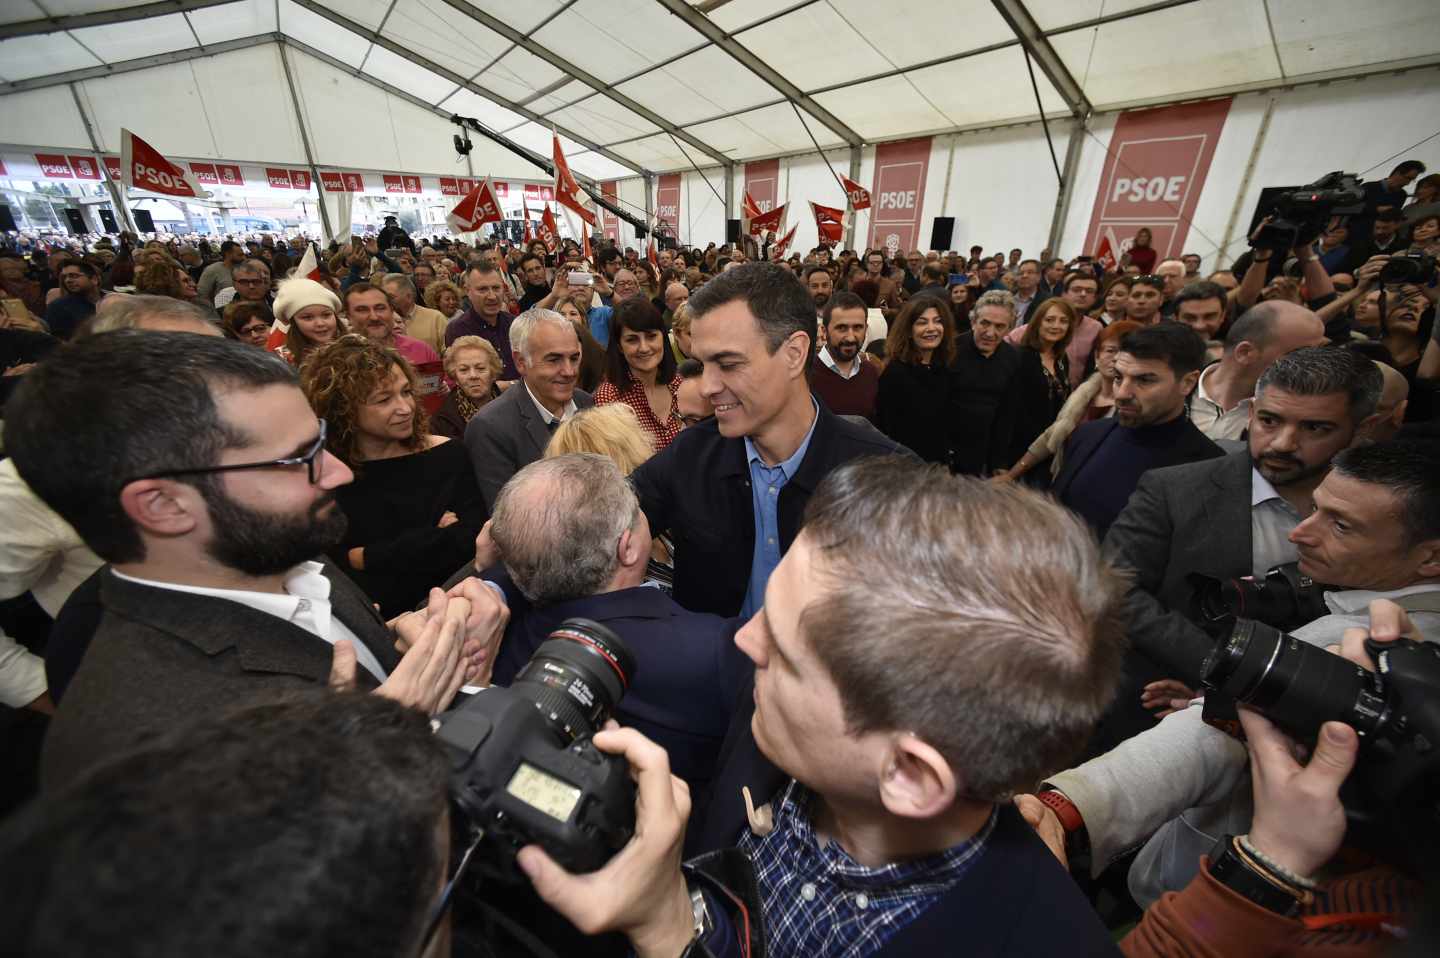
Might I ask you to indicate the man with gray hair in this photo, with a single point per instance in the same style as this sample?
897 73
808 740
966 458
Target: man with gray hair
986 388
572 541
156 313
421 322
1230 517
513 430
1265 332
250 284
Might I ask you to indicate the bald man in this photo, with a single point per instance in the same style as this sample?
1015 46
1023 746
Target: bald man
1390 412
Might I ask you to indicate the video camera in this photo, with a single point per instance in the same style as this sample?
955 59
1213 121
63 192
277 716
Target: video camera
524 769
1299 216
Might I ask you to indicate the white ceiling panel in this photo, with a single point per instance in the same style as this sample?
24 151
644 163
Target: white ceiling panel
1142 58
438 32
42 118
615 38
367 13
657 153
603 120
883 109
998 76
563 97
703 85
401 73
314 30
598 167
1053 14
518 75
521 16
38 56
917 31
231 21
466 103
1316 36
18 11
137 38
771 129
815 47
738 14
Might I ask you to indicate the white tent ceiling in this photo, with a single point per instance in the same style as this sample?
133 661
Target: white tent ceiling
654 85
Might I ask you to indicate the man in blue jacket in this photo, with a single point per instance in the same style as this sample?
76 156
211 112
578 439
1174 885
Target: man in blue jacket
928 645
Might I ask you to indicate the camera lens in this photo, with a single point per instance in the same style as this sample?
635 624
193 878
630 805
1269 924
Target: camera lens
577 677
1296 685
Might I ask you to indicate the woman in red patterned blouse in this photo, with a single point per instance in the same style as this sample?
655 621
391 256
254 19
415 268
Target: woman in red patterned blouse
640 369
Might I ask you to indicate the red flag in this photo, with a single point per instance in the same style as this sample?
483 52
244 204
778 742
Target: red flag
768 221
829 221
777 252
751 209
567 191
142 167
585 252
549 232
529 236
651 256
1105 255
477 208
858 195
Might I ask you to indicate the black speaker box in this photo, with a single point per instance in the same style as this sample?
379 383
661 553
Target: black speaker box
7 219
107 219
942 233
732 231
144 222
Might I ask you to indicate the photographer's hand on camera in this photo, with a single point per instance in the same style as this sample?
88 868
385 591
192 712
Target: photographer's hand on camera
640 892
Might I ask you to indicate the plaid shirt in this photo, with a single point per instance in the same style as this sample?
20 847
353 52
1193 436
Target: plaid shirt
819 902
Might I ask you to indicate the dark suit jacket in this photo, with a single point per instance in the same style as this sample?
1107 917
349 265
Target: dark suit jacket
698 488
1015 900
506 435
1189 445
688 672
159 658
1182 519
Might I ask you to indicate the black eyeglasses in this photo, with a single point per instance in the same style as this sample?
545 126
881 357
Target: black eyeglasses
311 458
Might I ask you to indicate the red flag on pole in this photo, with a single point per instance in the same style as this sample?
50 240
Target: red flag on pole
567 191
829 221
858 195
585 251
549 231
749 210
650 255
529 235
777 252
142 167
477 208
1105 256
768 221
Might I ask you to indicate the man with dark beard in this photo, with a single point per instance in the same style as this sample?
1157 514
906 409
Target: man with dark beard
839 375
195 468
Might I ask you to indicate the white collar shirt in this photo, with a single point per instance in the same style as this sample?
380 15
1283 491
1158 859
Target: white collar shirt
546 416
1272 519
831 365
1212 419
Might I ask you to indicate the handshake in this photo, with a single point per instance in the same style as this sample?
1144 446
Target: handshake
450 643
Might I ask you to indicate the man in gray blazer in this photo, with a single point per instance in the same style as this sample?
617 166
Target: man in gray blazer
512 431
195 467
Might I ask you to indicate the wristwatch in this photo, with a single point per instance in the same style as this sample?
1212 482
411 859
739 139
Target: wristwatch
700 911
1236 874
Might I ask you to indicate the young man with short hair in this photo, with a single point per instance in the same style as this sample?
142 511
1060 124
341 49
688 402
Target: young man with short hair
839 375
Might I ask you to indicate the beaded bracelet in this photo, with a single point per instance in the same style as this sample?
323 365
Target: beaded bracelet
1270 865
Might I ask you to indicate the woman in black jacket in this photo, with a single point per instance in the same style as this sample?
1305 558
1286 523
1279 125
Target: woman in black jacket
1044 372
914 390
414 508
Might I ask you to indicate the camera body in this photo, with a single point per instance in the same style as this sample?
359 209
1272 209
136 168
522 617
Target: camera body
1284 598
524 769
1300 215
1410 267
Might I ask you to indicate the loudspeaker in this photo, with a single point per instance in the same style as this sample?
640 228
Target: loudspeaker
107 220
942 233
144 222
7 219
77 222
732 231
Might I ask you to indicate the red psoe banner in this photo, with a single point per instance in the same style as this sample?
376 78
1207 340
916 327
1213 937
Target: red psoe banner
898 193
768 221
113 169
858 195
567 191
667 203
449 186
549 232
393 184
332 182
829 222
610 223
762 184
278 179
300 179
477 208
142 167
53 166
205 173
1154 171
355 183
229 174
85 168
412 184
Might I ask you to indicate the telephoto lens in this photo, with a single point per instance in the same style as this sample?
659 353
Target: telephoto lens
577 677
1296 685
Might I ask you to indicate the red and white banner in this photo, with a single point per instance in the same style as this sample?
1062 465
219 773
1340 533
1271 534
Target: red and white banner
502 189
205 173
142 167
898 193
393 184
449 186
567 191
85 168
412 184
765 222
355 183
529 234
53 166
667 204
332 182
477 208
278 179
762 185
113 168
548 232
778 251
858 195
829 222
1105 255
749 209
300 179
609 222
1154 172
229 174
535 191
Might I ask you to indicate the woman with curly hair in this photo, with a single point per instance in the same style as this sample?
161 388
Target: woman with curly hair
445 296
414 507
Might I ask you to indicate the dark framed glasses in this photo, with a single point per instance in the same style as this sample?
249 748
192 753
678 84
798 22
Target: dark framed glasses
311 458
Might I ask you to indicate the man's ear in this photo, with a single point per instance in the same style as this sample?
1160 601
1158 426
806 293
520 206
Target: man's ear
1429 552
1188 381
915 780
797 351
162 507
628 549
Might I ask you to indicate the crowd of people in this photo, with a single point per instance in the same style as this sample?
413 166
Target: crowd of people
908 548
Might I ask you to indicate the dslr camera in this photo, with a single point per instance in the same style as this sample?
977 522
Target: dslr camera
524 769
1300 215
1409 267
1284 598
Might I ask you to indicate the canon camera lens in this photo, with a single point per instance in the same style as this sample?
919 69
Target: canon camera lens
577 677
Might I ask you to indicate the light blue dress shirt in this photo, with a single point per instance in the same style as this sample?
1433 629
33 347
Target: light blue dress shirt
765 485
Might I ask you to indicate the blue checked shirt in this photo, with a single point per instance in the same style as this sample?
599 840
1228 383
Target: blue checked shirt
818 902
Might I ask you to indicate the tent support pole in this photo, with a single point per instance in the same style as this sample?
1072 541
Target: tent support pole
116 196
1067 184
854 214
305 140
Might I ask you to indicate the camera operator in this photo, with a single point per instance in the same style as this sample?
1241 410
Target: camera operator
937 693
1230 517
1374 535
214 497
